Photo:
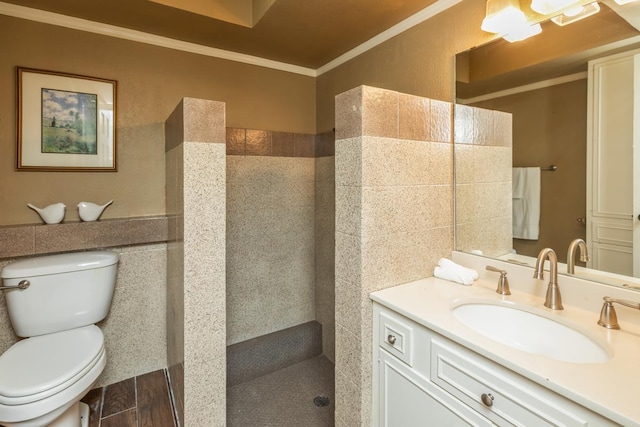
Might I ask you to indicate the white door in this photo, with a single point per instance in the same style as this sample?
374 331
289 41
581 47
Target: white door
612 208
636 166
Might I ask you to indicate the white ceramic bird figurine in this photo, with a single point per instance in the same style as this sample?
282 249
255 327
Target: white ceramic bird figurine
90 211
52 214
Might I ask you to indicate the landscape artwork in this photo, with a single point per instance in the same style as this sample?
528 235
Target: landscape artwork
69 122
66 122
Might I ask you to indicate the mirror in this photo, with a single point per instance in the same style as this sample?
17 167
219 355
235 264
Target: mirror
542 83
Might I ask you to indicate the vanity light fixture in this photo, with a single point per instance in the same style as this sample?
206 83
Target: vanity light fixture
576 13
523 33
548 7
503 16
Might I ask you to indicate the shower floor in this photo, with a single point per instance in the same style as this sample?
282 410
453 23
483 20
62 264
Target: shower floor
284 398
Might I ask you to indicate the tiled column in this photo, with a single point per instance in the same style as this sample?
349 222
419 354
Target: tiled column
325 251
483 150
196 317
394 219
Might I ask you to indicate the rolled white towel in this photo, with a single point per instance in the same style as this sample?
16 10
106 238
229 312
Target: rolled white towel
449 270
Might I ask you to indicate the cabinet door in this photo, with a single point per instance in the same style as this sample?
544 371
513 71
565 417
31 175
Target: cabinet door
409 400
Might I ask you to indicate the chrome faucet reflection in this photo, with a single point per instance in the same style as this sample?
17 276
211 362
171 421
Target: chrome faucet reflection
571 254
553 299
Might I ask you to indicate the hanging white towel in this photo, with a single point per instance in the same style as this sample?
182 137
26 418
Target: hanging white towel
526 203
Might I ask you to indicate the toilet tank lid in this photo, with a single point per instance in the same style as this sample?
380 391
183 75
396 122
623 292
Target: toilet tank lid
61 263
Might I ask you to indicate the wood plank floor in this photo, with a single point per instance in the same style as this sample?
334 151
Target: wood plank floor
143 401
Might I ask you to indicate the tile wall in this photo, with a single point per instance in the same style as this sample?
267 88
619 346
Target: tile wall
134 330
289 180
256 142
196 314
41 239
393 201
394 218
325 251
280 215
270 244
483 153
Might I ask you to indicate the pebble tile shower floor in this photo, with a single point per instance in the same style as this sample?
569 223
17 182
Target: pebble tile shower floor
284 398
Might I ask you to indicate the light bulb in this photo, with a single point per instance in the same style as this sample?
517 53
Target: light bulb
502 16
523 33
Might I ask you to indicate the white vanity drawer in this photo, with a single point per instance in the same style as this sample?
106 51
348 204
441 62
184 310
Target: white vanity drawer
468 377
396 336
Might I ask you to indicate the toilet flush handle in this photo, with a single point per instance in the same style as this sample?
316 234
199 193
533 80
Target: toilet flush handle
23 284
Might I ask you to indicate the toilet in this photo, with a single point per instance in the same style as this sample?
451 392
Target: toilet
44 376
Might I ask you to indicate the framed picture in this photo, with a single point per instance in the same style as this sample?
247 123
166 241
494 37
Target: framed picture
65 122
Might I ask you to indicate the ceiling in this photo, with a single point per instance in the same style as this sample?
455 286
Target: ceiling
307 33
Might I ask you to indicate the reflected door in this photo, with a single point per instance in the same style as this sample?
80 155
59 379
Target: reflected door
613 130
636 166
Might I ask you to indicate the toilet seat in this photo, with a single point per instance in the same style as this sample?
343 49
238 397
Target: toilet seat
39 367
43 412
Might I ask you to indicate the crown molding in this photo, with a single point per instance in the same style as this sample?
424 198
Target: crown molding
141 37
79 24
415 19
525 88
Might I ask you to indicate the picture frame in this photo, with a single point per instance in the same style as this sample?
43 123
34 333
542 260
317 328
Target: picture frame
66 122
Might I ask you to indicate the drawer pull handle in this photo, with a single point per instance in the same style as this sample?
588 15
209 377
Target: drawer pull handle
391 339
487 399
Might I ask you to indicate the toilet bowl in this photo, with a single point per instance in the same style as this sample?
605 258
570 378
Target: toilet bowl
44 377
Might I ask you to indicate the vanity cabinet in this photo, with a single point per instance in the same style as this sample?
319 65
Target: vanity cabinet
422 378
410 400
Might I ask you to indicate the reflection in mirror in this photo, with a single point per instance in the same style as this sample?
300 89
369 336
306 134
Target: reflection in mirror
556 107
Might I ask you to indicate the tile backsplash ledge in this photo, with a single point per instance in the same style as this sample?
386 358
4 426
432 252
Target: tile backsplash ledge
255 142
26 240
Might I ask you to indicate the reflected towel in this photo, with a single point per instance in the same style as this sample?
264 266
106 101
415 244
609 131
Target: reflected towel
526 203
449 270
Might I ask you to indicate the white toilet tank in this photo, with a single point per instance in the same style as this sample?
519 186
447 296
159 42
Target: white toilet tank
66 291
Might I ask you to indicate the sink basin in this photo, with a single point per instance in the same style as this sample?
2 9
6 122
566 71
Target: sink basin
517 326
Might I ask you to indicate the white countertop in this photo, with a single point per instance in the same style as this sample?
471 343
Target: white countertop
611 389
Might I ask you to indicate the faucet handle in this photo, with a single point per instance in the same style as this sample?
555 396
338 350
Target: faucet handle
608 317
503 282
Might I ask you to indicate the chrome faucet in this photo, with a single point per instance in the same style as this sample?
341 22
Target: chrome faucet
608 317
553 300
503 282
571 254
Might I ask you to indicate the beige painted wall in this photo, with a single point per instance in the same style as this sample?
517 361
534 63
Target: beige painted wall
419 61
151 82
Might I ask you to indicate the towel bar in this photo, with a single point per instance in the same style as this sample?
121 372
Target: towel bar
551 168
